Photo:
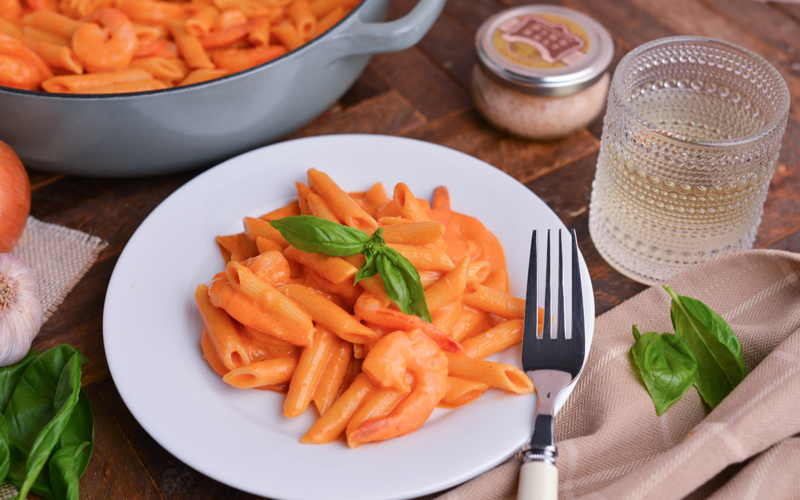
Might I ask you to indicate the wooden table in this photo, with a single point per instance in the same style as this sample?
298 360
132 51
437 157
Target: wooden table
422 93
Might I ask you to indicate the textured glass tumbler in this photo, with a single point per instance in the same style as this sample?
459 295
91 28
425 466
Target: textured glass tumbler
690 138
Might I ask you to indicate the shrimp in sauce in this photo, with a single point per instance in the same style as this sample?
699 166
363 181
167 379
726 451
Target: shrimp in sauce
394 356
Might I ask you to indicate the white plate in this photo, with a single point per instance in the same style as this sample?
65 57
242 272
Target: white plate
151 328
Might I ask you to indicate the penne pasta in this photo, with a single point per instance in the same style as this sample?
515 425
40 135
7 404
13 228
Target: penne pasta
271 313
408 206
478 271
52 22
299 13
495 302
210 355
425 258
308 372
449 287
161 68
494 340
340 203
326 313
189 46
86 84
334 269
292 208
295 321
260 373
497 375
460 392
413 233
318 208
333 422
230 344
257 228
203 75
333 377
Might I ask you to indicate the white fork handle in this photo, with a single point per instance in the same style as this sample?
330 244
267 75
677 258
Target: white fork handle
538 481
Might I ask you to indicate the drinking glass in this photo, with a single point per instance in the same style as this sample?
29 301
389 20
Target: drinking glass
690 138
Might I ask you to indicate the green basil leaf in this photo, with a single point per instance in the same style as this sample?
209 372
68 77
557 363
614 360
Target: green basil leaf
720 365
65 471
318 235
416 303
369 269
5 453
39 410
393 282
79 431
666 364
10 375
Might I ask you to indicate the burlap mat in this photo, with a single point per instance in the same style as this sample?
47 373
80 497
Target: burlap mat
611 444
59 257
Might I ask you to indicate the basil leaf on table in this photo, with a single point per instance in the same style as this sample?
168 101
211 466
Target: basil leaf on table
70 456
10 375
39 411
666 364
720 365
65 471
317 235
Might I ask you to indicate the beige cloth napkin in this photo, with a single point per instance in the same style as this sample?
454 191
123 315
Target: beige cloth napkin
59 257
611 443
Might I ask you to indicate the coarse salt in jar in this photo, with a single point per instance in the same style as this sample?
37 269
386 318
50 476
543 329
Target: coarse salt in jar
541 70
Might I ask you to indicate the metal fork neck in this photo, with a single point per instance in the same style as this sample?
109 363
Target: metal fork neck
548 384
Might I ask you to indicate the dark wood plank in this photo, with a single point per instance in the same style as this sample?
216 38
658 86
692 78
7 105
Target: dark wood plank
387 114
39 179
110 209
524 160
470 14
761 21
369 85
447 44
427 87
173 478
115 470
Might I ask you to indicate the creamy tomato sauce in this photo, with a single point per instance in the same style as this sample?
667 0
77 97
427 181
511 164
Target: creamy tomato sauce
465 235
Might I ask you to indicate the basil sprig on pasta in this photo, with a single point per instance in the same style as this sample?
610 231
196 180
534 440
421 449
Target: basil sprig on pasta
400 278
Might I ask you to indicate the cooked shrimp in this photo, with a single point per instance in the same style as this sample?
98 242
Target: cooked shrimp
370 309
393 357
105 41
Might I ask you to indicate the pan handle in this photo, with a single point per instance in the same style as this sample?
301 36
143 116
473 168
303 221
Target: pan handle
378 38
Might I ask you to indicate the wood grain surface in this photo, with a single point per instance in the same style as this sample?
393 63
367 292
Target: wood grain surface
422 93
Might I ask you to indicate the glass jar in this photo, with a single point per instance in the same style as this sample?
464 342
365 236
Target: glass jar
541 70
690 139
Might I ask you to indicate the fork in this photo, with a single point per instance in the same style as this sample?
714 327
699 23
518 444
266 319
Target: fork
551 363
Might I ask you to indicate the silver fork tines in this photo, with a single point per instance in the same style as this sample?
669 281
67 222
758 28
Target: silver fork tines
552 361
560 353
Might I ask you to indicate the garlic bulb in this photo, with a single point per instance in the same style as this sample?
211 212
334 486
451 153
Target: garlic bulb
20 309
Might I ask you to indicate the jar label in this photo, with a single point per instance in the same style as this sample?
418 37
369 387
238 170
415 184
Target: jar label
541 41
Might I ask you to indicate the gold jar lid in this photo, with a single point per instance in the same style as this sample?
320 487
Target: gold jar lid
544 50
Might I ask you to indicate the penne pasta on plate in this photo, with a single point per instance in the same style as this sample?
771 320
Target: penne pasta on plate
366 365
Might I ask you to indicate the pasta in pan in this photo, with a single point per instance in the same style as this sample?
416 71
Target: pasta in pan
118 46
282 319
